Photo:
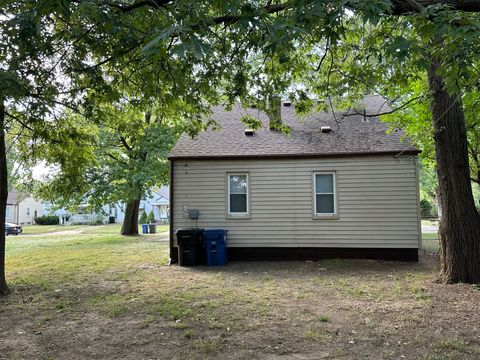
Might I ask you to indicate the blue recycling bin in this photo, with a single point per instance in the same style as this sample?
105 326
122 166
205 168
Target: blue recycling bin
144 228
216 246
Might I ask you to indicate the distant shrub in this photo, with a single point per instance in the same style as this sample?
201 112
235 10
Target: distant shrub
427 209
143 218
47 220
150 217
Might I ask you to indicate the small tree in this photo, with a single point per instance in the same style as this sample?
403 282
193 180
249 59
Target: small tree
150 217
143 218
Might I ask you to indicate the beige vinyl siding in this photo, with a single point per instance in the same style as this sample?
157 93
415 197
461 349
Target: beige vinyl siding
377 199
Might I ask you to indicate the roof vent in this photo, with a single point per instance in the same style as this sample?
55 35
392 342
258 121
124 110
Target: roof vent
365 118
249 132
326 129
287 103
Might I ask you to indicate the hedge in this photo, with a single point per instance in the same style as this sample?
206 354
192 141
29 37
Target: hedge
47 220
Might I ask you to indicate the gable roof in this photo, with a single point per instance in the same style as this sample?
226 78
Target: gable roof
349 135
15 198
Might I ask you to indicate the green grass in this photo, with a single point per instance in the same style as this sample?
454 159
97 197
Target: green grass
317 335
429 222
450 349
43 229
430 242
323 318
88 229
100 279
49 261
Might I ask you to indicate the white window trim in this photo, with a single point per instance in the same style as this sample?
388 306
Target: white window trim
238 214
28 211
316 215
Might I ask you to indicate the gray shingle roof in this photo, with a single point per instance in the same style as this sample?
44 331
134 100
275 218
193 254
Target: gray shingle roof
15 197
349 135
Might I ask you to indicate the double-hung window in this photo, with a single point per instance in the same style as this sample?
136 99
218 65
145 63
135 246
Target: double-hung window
238 194
324 196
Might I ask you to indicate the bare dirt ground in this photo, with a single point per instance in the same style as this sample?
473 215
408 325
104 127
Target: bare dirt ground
133 306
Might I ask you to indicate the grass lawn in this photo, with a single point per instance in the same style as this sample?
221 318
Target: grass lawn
98 295
106 229
430 242
44 229
430 222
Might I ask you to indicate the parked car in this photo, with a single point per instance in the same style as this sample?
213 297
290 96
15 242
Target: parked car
12 229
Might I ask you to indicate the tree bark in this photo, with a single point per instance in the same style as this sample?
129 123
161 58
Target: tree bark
130 223
4 290
459 229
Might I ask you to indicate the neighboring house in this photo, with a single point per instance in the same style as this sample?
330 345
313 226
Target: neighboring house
350 192
22 209
84 214
158 202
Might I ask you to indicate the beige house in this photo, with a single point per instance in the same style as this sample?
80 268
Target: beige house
337 186
22 209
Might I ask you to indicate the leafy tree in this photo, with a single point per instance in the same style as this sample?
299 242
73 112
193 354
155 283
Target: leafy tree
143 218
31 90
121 159
150 217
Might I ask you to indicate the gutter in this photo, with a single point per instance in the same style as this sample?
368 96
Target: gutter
294 156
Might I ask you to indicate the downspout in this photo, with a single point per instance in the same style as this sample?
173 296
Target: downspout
173 254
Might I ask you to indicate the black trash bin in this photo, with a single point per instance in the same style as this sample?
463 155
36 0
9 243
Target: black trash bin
191 249
152 228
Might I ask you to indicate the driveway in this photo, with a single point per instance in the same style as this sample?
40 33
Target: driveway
429 228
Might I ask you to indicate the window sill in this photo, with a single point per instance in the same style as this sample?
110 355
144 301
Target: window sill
238 217
325 217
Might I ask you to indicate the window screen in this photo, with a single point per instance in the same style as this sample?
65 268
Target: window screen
238 194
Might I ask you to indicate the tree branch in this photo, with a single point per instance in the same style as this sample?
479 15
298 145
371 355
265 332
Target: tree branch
116 159
125 144
401 7
139 4
356 112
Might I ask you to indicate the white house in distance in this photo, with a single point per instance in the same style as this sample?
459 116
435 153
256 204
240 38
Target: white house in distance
337 186
158 202
22 209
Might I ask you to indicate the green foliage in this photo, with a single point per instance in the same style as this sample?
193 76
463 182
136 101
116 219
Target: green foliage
150 217
47 220
426 208
428 182
143 218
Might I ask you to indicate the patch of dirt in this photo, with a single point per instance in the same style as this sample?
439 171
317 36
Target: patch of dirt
352 309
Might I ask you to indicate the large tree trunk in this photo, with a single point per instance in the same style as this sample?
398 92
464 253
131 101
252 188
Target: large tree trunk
459 229
130 223
3 199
